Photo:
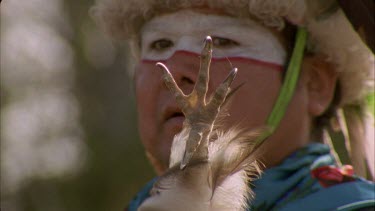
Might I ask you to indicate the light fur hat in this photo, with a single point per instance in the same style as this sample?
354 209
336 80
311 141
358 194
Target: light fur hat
330 32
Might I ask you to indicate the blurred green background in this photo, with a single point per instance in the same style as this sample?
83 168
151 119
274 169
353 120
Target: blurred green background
68 120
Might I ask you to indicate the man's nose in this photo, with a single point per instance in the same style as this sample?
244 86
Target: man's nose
184 67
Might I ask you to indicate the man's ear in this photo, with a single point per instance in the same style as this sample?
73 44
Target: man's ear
321 84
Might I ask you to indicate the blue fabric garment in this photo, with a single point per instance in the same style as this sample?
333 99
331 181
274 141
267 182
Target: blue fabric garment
141 196
290 187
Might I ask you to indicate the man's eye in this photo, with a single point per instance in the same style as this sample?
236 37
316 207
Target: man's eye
223 42
161 44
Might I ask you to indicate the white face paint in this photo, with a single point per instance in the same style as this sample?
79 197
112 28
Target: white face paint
232 37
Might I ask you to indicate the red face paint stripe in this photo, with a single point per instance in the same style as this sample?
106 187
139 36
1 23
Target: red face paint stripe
228 59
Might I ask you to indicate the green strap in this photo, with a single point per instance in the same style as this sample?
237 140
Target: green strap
288 87
370 101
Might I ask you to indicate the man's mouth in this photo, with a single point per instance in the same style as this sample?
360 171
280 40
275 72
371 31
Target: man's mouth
174 117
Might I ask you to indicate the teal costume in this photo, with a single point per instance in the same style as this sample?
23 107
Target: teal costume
291 186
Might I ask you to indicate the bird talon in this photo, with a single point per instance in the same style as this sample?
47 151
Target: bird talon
199 115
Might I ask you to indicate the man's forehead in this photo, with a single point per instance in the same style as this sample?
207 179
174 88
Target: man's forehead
185 31
193 21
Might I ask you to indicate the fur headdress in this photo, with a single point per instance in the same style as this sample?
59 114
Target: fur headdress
331 34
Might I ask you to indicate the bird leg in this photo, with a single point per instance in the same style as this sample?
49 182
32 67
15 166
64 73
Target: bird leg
200 115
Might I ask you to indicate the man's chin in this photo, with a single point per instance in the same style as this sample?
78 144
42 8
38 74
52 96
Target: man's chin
159 166
159 155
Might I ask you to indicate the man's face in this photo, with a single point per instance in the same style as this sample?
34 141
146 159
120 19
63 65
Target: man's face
176 40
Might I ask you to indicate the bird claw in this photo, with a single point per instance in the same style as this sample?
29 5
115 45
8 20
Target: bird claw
200 116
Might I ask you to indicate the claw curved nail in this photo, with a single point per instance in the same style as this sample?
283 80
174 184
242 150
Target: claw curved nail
162 67
231 76
208 43
234 72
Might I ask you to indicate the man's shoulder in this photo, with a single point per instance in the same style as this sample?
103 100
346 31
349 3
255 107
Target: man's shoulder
355 195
